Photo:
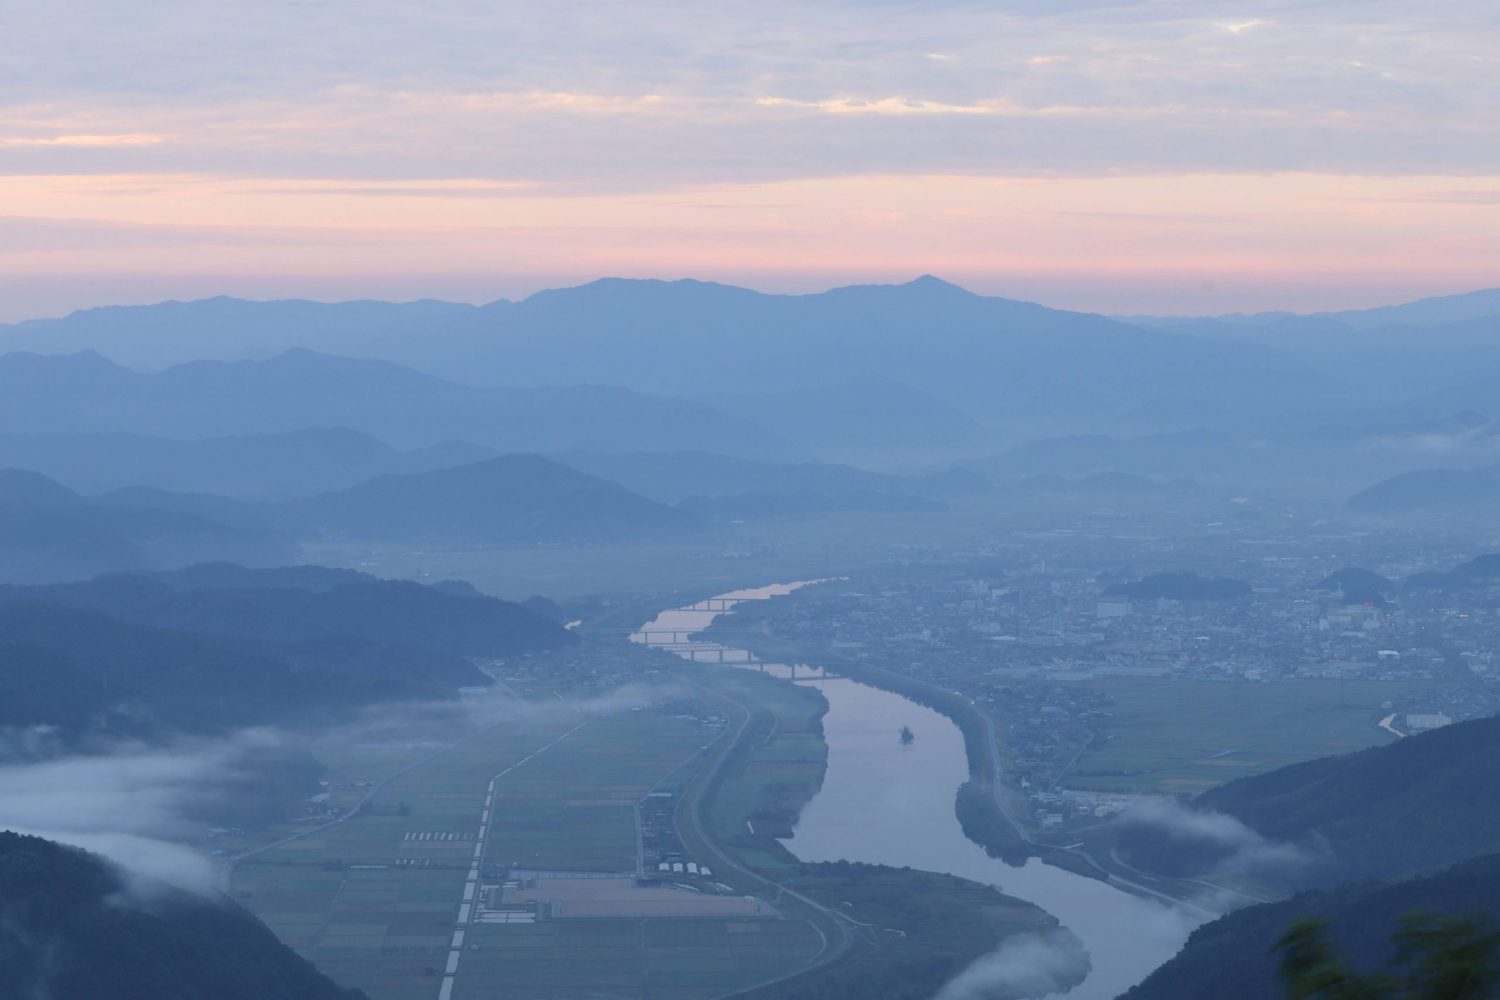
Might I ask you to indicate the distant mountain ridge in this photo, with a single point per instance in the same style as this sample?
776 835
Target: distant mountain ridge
50 533
249 466
513 499
298 390
673 476
982 355
1454 490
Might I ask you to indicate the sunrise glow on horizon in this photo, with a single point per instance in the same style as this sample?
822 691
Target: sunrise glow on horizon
1122 157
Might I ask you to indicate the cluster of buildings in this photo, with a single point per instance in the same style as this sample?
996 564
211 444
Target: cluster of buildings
1026 628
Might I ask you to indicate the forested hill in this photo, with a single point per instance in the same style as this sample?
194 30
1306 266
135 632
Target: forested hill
1232 957
85 673
1417 803
1422 802
72 927
300 603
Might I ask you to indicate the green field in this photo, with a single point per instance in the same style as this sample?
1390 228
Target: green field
374 901
762 791
1186 736
664 959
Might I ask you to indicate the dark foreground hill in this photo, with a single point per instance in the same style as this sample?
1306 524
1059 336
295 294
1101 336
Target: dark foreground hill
73 927
1416 804
515 499
85 673
1231 958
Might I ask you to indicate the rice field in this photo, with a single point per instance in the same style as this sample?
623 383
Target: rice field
375 900
1186 736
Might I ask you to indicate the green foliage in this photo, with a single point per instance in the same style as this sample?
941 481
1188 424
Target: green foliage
1358 926
983 823
921 929
1449 958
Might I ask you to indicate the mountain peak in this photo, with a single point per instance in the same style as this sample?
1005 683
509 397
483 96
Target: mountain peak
933 281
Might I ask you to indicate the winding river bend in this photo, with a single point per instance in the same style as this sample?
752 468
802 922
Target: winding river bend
886 803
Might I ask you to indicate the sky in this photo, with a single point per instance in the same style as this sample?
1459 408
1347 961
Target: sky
1168 156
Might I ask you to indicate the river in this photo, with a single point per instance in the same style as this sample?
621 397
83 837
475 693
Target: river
886 803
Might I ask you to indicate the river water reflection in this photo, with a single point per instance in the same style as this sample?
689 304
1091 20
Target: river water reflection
886 803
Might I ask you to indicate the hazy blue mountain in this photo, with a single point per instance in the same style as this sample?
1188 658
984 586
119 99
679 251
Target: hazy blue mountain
49 533
74 926
259 518
33 489
516 499
1436 311
1182 453
1481 571
783 503
984 356
1327 455
1233 957
1475 387
1407 357
253 466
86 394
1430 312
1460 490
306 603
170 333
671 476
258 466
863 416
1106 483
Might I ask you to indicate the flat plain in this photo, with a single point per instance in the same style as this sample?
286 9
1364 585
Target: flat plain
375 900
1184 736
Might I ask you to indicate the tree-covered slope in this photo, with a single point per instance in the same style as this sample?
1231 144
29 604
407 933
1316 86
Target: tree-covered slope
73 927
300 603
1419 803
1232 957
85 672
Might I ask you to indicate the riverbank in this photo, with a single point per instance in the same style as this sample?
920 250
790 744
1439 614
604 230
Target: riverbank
900 929
987 809
890 802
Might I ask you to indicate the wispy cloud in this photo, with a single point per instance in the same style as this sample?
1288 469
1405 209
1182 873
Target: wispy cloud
455 114
83 141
